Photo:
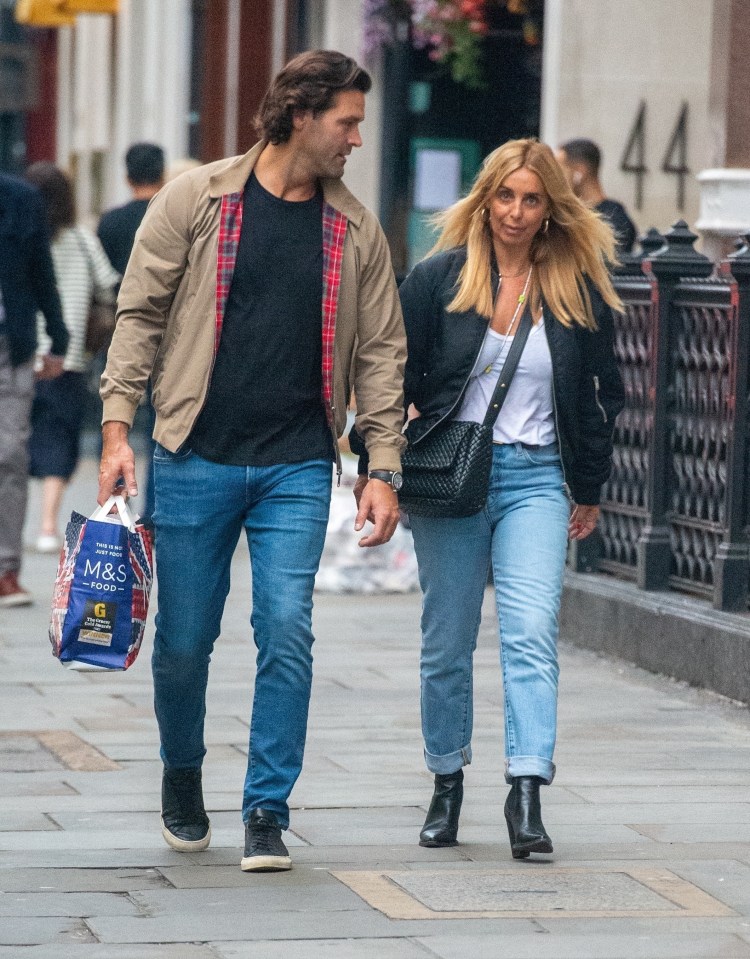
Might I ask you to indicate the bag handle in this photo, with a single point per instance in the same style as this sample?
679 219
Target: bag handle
101 512
509 368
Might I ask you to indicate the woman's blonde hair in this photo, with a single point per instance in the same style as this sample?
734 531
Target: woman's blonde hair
577 242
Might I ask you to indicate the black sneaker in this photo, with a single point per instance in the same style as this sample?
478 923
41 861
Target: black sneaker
184 823
264 850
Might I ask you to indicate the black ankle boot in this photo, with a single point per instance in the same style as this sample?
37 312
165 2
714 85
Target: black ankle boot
441 825
523 813
184 823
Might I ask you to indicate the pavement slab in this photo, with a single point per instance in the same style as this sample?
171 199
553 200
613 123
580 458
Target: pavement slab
649 812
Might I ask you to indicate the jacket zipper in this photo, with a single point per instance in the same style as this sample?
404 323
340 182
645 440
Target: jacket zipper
596 396
566 485
336 450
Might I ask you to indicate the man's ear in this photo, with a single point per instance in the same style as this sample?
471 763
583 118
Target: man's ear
299 118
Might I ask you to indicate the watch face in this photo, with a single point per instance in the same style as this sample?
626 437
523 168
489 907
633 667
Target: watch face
397 481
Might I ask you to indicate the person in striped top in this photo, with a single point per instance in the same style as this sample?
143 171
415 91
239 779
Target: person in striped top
82 272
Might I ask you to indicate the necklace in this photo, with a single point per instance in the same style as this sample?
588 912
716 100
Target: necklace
521 301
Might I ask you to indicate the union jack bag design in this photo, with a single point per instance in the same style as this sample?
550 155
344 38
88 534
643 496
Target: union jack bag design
102 589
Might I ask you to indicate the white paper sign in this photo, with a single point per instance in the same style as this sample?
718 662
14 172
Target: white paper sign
437 180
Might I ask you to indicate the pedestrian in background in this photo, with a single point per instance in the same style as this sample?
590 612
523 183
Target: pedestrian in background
249 405
144 163
27 284
581 159
83 273
519 240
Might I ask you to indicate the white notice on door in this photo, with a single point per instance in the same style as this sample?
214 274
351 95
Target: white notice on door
437 179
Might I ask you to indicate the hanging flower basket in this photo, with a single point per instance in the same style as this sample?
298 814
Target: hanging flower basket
451 31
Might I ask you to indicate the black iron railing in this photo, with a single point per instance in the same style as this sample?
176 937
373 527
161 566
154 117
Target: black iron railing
676 510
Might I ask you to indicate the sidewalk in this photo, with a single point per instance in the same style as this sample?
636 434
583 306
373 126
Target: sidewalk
650 811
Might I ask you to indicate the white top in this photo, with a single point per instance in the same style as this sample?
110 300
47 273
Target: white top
82 271
527 415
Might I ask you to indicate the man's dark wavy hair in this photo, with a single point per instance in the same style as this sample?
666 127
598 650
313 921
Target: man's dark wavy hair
311 81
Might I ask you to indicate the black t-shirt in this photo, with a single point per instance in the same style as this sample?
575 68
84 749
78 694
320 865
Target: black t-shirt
623 226
117 229
264 403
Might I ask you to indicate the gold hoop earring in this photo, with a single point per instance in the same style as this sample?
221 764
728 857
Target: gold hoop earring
485 214
545 228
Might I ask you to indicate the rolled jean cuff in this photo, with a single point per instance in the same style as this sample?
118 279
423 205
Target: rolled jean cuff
529 766
450 763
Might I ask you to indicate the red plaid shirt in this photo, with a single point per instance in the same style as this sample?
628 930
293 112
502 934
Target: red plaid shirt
334 234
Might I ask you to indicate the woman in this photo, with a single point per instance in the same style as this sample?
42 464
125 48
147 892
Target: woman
519 240
83 272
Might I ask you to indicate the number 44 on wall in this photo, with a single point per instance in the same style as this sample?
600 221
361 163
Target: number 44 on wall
675 157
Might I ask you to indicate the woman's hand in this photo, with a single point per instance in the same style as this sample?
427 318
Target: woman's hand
583 521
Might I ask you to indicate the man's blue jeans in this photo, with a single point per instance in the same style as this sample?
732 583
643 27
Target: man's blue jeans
523 532
201 509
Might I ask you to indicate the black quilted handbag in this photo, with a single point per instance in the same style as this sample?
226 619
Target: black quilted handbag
447 471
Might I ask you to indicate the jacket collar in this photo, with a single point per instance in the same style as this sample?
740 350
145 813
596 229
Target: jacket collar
232 179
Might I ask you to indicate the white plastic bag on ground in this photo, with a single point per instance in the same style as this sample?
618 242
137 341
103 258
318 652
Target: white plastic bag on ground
346 567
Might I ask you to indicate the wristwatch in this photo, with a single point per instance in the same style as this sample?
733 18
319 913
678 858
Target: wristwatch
395 480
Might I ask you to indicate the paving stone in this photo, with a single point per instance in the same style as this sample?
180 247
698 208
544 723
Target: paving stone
48 880
283 925
25 754
143 822
306 892
697 831
104 857
23 931
586 947
104 951
323 949
532 892
76 904
727 880
13 821
81 840
695 795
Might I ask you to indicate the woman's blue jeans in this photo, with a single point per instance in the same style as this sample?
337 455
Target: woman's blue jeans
201 509
522 531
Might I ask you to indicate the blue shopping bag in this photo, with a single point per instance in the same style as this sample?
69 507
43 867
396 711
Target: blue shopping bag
102 589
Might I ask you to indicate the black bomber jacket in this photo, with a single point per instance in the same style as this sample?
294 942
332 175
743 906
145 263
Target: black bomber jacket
443 347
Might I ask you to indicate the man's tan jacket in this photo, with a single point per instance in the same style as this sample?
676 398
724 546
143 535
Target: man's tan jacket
169 314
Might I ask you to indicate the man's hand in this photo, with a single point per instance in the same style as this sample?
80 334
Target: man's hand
377 503
52 367
117 461
359 487
583 521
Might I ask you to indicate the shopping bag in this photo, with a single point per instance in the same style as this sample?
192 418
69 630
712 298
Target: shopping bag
102 589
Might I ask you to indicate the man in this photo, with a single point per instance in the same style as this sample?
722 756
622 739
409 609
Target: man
144 163
581 160
27 284
260 292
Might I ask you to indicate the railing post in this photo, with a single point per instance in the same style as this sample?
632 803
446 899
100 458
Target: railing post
733 555
650 242
675 259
